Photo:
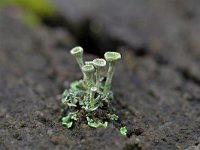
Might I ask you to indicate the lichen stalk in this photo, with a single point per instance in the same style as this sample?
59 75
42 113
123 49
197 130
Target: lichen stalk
88 79
77 52
93 90
98 78
111 70
79 60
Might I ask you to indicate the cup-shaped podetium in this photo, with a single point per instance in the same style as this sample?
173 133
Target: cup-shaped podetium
93 90
98 63
111 58
89 62
77 52
88 71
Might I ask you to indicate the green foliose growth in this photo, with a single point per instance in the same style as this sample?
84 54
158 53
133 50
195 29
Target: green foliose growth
123 131
89 100
113 116
68 120
96 123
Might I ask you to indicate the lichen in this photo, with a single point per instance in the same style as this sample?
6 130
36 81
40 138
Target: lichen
123 131
90 99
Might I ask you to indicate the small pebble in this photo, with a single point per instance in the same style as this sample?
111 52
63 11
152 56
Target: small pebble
50 132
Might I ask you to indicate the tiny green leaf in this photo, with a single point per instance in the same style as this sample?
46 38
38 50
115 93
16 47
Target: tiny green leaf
64 96
68 120
113 116
96 124
123 131
73 115
105 124
75 85
92 123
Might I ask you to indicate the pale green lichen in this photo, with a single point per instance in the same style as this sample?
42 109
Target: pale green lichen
77 52
113 117
68 120
123 131
99 64
89 97
112 58
93 91
96 124
88 71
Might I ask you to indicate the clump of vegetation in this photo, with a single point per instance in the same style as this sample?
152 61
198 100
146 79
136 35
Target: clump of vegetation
34 10
123 130
89 100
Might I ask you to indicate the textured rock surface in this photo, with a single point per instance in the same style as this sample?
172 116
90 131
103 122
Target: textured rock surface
157 83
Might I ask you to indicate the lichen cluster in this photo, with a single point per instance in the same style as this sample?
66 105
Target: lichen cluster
89 99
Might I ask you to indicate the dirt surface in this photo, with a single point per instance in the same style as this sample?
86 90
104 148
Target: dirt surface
156 85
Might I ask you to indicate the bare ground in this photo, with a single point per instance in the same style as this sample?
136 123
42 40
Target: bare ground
156 85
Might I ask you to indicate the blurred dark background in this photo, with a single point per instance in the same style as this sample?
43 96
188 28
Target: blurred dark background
144 26
167 31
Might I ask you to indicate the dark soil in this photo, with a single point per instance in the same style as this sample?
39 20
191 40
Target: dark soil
156 85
